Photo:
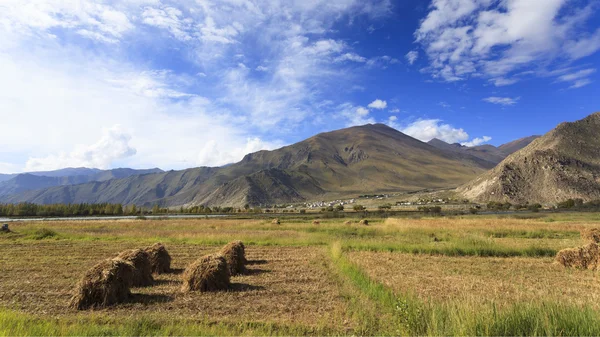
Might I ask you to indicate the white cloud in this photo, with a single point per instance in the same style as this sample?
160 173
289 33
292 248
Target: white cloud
502 100
477 141
212 154
261 68
351 57
114 145
354 115
497 39
412 56
51 81
578 79
444 105
427 129
170 19
395 110
378 104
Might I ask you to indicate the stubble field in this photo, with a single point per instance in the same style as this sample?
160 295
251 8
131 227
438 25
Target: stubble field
472 275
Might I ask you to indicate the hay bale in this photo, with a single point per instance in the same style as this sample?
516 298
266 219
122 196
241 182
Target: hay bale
364 222
316 222
209 273
160 260
348 222
235 256
140 259
585 257
276 222
107 283
591 235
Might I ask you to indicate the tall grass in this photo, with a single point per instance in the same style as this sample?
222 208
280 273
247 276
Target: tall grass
414 316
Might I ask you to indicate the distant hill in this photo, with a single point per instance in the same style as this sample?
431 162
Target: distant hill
562 164
488 155
23 182
352 161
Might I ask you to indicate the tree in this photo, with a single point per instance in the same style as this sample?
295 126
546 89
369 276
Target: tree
358 208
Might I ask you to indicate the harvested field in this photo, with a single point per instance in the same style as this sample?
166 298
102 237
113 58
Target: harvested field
429 276
480 280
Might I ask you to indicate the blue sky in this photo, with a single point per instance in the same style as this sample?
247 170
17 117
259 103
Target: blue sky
177 84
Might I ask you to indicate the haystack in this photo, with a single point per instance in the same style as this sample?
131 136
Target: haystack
276 222
209 273
160 260
107 283
585 257
364 222
140 259
316 222
235 256
591 235
348 222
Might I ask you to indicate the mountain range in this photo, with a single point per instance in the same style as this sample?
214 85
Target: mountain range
368 159
363 159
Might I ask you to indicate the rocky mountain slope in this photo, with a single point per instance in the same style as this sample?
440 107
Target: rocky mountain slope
347 162
562 164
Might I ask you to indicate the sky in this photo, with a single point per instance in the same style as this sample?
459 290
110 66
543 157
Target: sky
179 84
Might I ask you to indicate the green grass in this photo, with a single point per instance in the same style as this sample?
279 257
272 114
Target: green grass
13 323
414 316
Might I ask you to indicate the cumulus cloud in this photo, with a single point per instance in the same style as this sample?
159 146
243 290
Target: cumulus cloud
112 146
213 154
354 115
378 104
499 39
506 101
477 141
412 56
427 129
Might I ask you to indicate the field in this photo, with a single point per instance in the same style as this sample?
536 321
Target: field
470 275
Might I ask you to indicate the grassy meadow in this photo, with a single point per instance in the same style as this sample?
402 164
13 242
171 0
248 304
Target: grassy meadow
464 275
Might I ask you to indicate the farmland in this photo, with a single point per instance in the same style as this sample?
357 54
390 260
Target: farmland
468 275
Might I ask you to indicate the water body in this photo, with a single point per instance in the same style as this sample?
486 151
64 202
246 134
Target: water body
130 217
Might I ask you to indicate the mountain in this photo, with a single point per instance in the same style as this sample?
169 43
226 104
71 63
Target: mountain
70 176
347 162
488 155
562 164
516 145
5 177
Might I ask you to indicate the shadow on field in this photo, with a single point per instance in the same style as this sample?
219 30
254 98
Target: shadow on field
150 298
166 282
256 271
244 287
177 271
255 262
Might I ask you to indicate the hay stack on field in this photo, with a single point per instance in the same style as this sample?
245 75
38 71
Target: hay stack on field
348 222
585 257
276 222
209 273
364 222
316 222
140 259
591 234
105 284
160 260
235 256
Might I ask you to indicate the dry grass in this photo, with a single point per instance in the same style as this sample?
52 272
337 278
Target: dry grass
107 283
591 234
283 285
142 272
159 258
585 257
235 257
209 273
480 280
